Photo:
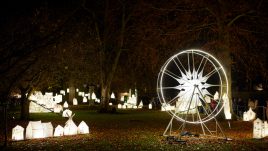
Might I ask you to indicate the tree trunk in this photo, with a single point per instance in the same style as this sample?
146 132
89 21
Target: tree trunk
24 115
105 91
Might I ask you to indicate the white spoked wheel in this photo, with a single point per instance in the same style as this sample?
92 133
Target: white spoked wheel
191 85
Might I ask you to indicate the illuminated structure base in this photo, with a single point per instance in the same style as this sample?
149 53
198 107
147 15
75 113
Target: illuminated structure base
207 132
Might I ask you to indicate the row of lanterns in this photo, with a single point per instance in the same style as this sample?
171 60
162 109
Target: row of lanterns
37 129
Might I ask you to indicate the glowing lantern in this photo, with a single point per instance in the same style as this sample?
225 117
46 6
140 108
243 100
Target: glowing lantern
59 131
58 98
62 92
112 96
140 105
66 113
150 106
207 99
65 105
77 90
70 128
97 100
18 133
257 128
110 104
83 128
84 100
58 108
265 129
75 101
34 130
93 96
119 106
227 112
216 96
47 129
249 115
68 90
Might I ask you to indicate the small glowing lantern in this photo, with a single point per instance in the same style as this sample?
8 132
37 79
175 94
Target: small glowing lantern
18 133
150 106
140 105
70 128
84 99
65 105
66 113
93 96
58 108
77 90
59 131
249 115
207 99
47 129
112 96
68 90
75 101
216 96
110 104
62 92
34 130
119 106
257 128
83 128
227 112
58 98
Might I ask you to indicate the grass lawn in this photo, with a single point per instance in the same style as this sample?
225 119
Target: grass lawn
133 130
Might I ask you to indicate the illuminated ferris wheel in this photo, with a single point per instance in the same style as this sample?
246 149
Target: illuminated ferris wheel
191 86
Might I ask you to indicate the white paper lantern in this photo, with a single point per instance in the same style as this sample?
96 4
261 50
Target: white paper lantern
47 129
119 106
83 128
59 131
66 113
65 104
62 92
257 128
226 102
58 98
110 104
75 101
70 128
68 90
84 99
18 133
77 90
112 96
249 115
58 108
150 106
140 105
34 130
93 96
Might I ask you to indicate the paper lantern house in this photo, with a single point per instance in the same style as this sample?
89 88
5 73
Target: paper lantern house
83 128
18 133
34 130
66 113
70 128
150 106
58 108
119 106
75 101
226 103
47 129
249 115
65 104
84 99
58 98
140 105
257 128
59 131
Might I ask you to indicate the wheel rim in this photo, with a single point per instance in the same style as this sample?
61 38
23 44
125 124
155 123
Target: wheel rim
188 80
